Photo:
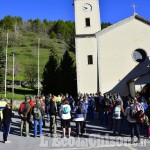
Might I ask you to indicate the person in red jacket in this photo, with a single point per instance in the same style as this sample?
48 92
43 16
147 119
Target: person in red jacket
31 102
24 112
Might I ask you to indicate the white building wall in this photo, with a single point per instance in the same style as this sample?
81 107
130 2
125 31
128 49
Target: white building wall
86 45
86 74
115 50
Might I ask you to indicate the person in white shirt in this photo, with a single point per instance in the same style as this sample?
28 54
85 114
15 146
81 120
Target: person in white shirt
65 114
117 116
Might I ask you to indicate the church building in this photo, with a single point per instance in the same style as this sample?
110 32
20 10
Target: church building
115 59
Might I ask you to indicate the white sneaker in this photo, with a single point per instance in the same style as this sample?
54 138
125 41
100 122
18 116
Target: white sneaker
7 142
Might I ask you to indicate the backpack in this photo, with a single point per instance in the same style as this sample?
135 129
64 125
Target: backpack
117 112
37 113
23 108
80 109
133 112
65 110
137 114
145 106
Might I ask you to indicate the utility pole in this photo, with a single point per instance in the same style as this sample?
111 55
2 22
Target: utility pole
6 67
38 68
13 53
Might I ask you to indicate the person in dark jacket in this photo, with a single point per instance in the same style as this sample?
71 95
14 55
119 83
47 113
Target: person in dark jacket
53 113
7 115
80 110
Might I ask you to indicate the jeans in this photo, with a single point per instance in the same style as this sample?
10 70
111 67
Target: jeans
90 112
26 124
48 117
36 123
105 116
6 127
135 130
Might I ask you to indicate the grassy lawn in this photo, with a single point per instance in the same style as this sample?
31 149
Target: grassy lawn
19 93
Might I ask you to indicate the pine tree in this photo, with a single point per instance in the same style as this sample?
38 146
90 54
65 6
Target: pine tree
49 74
68 74
2 62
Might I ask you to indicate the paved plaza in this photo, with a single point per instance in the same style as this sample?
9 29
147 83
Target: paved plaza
96 137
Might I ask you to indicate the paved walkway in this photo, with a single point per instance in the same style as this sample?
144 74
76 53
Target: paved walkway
96 137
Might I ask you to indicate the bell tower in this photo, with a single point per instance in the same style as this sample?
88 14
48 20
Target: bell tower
87 16
87 23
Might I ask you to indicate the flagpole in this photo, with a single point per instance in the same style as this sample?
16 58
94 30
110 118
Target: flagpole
6 67
38 68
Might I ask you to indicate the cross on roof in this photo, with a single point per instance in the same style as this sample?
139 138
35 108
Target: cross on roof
134 8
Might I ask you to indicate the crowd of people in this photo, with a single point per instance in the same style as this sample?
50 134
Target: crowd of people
67 108
113 110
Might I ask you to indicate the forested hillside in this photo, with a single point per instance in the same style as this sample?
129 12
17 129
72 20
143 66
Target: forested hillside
23 40
23 36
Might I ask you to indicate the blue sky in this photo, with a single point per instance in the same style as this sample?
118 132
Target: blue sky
111 10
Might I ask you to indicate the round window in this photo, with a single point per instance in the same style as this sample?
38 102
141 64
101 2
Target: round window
139 55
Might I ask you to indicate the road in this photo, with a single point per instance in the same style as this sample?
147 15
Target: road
96 137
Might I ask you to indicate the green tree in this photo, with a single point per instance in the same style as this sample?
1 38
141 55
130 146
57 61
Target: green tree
49 81
64 30
105 25
9 22
53 35
31 74
68 74
36 25
2 62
